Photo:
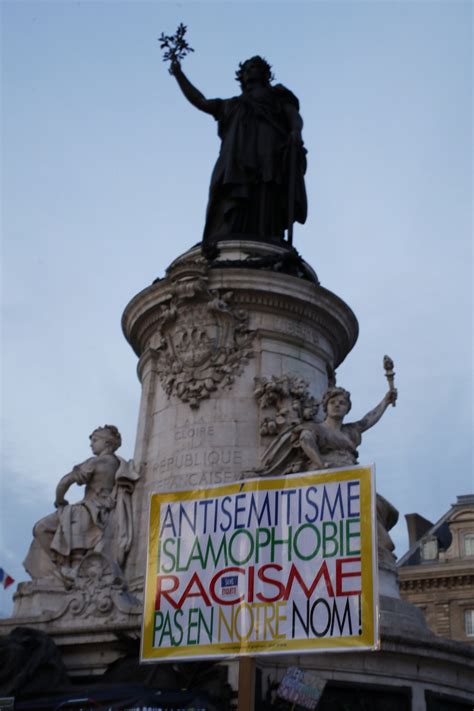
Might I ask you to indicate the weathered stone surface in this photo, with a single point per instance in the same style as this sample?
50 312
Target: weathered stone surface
305 443
204 343
284 402
77 556
250 324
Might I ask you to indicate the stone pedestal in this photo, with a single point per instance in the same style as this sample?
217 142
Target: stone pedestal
205 335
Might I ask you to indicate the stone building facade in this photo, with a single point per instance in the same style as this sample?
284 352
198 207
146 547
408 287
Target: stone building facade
437 572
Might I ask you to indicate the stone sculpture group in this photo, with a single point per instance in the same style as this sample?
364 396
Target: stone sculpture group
304 443
201 342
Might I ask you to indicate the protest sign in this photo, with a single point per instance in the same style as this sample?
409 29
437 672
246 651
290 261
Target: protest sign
263 566
301 687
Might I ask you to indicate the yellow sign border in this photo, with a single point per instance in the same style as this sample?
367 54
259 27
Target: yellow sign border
369 602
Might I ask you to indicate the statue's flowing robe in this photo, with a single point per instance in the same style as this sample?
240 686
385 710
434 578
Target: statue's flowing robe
251 188
338 448
101 522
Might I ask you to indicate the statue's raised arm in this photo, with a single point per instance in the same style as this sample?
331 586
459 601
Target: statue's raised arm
193 95
372 417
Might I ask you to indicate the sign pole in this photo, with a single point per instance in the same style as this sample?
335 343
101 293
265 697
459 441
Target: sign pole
246 684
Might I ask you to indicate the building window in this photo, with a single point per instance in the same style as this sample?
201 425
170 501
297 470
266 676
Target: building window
469 544
469 623
429 549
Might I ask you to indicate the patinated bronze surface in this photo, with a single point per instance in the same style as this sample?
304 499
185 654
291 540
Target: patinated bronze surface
257 187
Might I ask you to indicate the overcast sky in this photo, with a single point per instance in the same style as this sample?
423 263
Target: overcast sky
105 178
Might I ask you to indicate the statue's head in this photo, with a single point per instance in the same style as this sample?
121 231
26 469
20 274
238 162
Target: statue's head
337 394
107 435
255 69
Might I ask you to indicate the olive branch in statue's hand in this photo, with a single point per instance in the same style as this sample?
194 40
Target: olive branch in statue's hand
175 45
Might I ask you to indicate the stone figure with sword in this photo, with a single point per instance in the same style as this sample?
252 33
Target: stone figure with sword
257 186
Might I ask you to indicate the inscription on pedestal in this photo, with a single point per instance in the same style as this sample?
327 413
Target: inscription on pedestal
295 328
196 480
194 435
197 460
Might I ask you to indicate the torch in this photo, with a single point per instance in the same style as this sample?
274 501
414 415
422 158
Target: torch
389 373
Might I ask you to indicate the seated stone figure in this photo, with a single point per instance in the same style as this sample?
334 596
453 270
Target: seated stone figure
100 523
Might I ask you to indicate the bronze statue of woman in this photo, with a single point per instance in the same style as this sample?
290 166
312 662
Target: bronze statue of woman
257 187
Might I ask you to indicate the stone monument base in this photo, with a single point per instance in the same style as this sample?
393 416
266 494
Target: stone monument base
410 672
410 668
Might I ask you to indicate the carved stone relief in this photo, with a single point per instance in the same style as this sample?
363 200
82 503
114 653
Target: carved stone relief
204 341
95 589
284 402
100 590
201 454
